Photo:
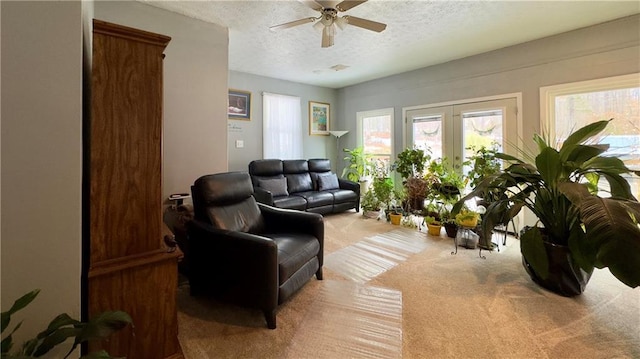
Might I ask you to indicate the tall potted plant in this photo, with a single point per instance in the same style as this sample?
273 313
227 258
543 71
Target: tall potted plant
579 230
359 168
410 165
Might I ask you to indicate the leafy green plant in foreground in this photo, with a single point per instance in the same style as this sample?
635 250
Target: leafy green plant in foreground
560 187
59 330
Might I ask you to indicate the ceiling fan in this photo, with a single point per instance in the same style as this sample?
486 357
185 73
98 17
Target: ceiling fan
329 19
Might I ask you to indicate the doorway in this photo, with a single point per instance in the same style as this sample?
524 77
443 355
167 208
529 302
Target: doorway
451 130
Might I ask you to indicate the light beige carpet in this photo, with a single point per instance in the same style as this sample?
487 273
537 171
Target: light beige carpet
453 306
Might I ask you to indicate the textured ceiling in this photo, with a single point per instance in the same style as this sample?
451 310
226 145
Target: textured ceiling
419 33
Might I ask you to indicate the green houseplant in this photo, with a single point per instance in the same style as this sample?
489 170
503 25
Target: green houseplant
359 168
483 162
434 225
580 230
411 162
410 165
380 195
59 330
467 218
360 164
444 187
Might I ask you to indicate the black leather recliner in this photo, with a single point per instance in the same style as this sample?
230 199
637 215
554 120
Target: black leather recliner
248 252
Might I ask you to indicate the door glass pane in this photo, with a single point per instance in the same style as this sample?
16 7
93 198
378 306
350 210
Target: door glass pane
376 135
622 134
481 128
427 134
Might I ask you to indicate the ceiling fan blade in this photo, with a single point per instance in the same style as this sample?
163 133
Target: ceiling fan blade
349 4
365 24
312 4
292 24
327 36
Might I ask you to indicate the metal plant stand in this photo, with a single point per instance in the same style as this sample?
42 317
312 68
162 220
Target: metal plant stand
465 235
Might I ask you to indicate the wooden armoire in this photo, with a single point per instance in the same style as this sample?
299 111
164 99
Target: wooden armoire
128 267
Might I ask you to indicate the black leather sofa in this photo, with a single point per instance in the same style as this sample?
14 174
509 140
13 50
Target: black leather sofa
305 185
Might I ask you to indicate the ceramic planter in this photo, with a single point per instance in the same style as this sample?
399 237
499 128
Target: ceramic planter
469 223
434 229
371 214
395 218
451 229
565 276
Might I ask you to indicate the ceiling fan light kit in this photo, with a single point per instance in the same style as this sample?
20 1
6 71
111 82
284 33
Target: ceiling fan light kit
329 19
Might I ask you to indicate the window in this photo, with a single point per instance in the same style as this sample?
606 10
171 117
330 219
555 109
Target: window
281 127
375 134
567 107
448 131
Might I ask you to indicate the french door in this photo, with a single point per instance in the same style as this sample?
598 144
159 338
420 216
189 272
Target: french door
450 131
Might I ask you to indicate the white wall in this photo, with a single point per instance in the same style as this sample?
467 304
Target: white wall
41 141
251 131
195 89
604 50
41 159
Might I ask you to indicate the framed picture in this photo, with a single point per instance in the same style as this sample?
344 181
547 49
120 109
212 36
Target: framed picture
319 118
239 105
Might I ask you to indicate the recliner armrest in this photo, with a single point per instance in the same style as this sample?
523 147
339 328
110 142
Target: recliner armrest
263 196
290 220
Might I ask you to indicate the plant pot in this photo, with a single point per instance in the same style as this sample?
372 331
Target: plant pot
416 204
565 276
364 186
469 223
451 229
395 218
434 229
371 214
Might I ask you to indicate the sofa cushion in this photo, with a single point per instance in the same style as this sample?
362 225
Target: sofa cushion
295 166
319 165
290 202
327 182
316 199
266 167
343 195
277 186
299 182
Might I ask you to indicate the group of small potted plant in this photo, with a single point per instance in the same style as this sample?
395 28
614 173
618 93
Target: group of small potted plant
425 180
577 229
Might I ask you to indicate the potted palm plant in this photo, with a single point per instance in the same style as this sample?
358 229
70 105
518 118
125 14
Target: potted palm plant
577 230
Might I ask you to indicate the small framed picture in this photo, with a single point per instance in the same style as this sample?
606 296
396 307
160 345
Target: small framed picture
319 118
239 105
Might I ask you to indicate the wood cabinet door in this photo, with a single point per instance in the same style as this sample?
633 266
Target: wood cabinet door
129 269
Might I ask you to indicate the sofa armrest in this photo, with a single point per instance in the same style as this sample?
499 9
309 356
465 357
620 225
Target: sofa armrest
263 196
346 184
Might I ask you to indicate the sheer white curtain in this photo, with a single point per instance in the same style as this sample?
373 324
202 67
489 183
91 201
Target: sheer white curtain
281 126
